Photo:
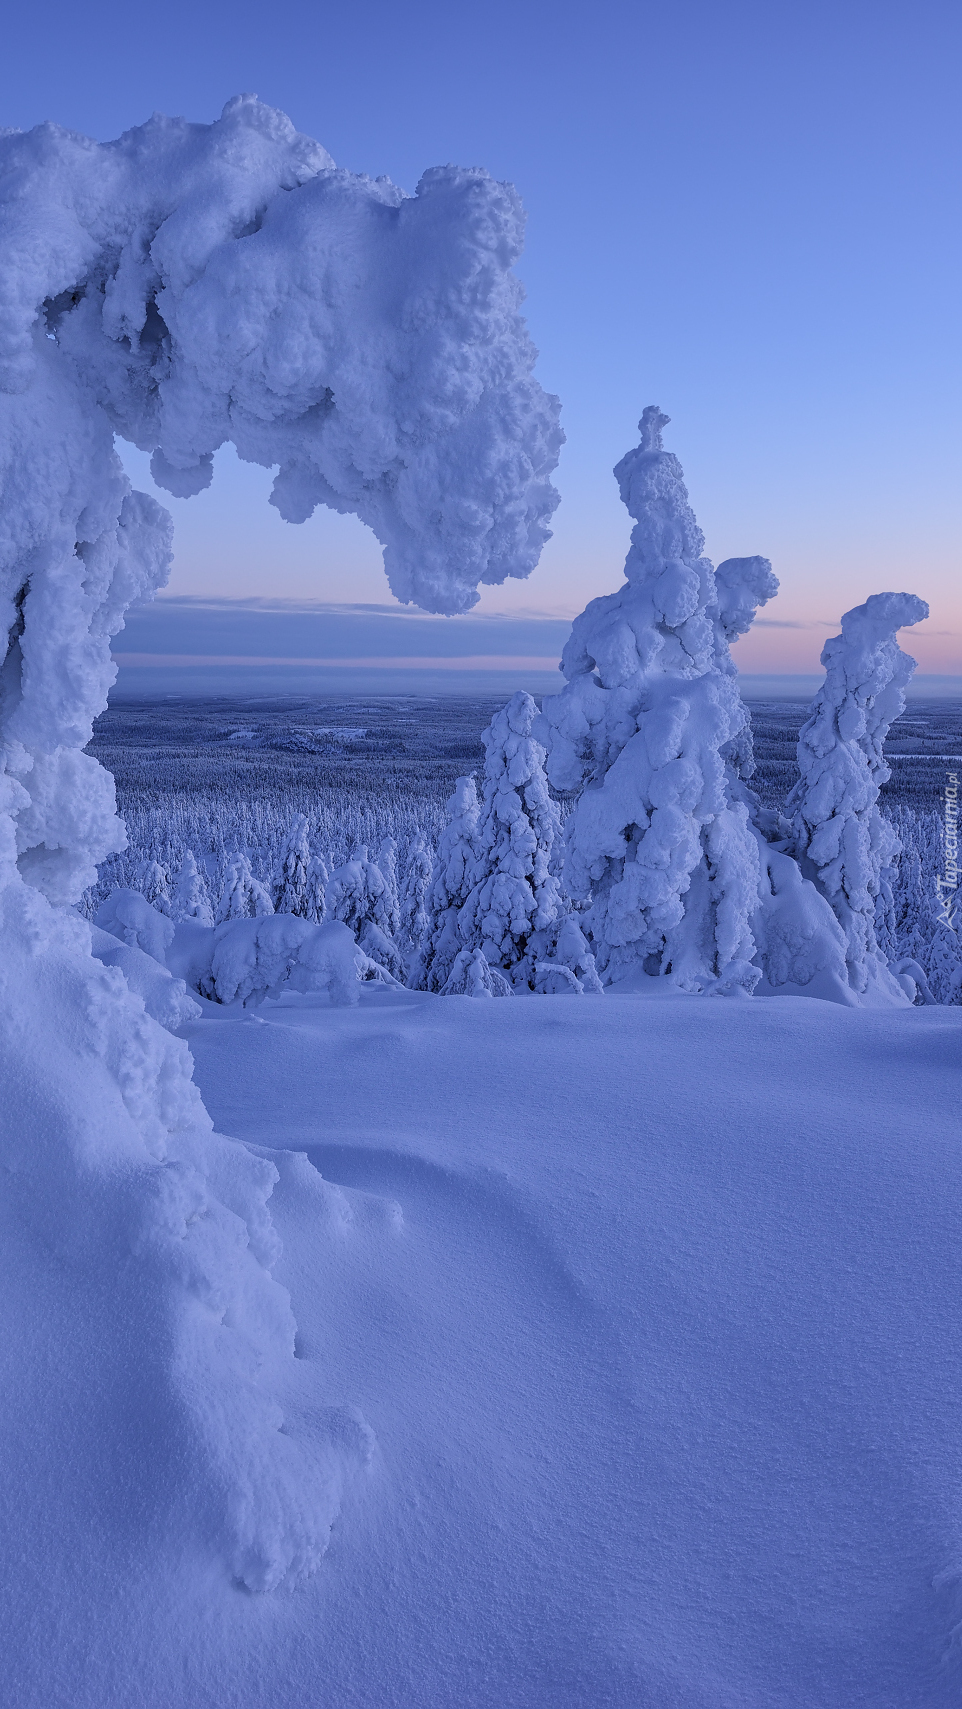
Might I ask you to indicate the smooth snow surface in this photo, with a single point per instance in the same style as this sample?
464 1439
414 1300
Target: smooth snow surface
630 1334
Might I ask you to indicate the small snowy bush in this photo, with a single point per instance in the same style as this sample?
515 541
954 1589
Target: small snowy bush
473 976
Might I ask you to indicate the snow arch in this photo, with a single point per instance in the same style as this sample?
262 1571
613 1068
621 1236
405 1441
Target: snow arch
190 285
184 286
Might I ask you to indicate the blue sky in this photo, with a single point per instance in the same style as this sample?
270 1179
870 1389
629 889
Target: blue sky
744 212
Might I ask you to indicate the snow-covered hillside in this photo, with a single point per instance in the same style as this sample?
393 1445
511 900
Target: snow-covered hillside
629 1344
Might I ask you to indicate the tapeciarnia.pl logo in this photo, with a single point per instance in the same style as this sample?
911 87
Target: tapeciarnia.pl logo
947 883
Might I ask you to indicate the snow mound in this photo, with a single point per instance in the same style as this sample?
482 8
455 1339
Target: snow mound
471 976
165 998
253 959
116 1180
129 917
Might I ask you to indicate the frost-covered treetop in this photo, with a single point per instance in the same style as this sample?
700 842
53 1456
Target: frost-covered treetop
652 486
840 835
674 619
866 675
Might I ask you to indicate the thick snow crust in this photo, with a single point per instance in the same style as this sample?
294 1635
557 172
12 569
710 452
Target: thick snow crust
628 1338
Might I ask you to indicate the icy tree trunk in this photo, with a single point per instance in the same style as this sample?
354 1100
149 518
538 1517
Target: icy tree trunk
652 730
842 840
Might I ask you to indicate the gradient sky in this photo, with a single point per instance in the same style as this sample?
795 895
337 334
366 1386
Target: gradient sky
747 213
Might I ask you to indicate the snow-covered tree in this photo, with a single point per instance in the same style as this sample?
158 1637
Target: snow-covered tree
451 884
561 959
317 881
243 896
473 976
652 730
516 906
291 879
142 297
842 841
358 894
387 864
153 881
190 900
414 890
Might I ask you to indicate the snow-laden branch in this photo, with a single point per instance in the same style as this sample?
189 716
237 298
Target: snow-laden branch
190 285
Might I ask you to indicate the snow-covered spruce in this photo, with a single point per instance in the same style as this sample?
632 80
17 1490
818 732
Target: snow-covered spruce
359 895
451 883
414 889
652 730
186 286
153 881
317 879
915 931
243 896
291 884
515 909
473 976
841 839
387 864
190 900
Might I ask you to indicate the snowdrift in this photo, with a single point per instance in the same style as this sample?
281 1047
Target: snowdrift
628 1342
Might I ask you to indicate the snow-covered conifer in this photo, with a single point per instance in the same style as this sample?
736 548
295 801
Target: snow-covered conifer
358 894
291 881
387 863
842 841
652 730
190 900
153 882
243 896
317 881
417 881
514 893
451 884
473 976
562 959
